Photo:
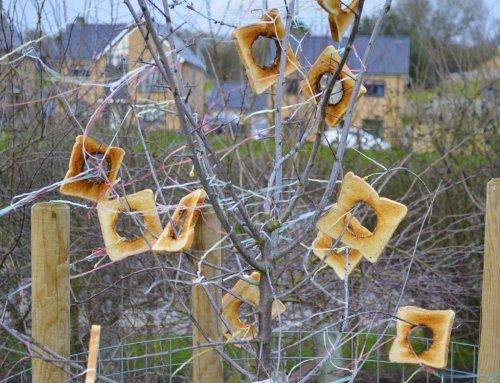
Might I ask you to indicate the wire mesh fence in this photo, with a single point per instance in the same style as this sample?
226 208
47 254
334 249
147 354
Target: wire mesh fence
365 355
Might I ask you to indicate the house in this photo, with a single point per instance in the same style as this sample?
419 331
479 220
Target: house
100 54
380 110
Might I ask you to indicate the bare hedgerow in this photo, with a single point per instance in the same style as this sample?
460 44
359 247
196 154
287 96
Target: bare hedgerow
268 193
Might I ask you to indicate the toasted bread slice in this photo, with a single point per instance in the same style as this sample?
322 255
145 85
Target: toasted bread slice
333 7
231 305
89 189
188 212
340 22
262 78
440 322
322 246
327 63
142 202
338 17
335 222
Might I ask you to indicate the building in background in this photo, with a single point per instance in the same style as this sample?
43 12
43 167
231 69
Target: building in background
380 110
94 57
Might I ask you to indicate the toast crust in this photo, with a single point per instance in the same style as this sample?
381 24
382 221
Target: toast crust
142 202
262 78
188 211
89 189
327 63
231 305
335 223
440 322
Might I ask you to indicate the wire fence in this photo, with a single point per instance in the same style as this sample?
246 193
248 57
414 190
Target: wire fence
168 360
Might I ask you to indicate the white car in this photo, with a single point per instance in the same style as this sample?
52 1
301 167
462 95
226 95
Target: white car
356 138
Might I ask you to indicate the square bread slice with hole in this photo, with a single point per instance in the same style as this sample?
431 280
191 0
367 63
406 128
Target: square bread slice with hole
231 304
262 78
86 188
335 222
141 203
178 235
440 322
327 64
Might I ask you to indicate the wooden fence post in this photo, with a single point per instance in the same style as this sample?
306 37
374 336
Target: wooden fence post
207 363
50 288
489 343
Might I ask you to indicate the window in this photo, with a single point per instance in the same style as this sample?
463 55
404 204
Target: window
292 86
374 127
79 71
153 84
375 88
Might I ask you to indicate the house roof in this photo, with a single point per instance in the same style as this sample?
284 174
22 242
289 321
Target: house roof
85 41
81 40
390 55
236 97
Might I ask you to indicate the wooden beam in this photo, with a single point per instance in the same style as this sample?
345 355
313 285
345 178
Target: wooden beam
207 363
489 343
50 228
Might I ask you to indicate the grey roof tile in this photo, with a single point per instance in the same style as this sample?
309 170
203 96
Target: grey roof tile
390 55
85 41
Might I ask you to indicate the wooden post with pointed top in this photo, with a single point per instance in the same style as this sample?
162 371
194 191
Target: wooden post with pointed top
489 343
207 363
50 288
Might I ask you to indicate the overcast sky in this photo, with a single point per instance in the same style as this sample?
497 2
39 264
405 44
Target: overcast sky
58 12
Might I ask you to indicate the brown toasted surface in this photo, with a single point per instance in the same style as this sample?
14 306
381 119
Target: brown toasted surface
261 78
188 210
440 322
389 214
337 260
108 212
89 189
327 63
338 17
231 304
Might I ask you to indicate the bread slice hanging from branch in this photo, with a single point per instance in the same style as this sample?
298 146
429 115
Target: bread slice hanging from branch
315 83
337 224
339 18
178 236
263 77
84 148
231 304
141 204
439 322
339 261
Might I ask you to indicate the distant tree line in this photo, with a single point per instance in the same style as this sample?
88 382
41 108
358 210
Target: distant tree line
440 44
